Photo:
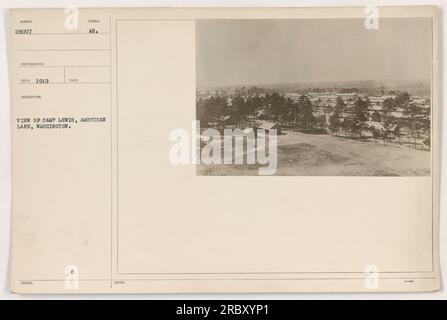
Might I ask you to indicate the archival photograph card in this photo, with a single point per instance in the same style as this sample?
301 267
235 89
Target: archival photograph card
186 150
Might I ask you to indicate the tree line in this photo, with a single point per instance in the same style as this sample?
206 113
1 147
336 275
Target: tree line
300 114
272 107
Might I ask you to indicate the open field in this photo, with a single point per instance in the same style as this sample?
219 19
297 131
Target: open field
301 154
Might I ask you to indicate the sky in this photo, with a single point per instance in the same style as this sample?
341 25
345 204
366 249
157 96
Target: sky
242 52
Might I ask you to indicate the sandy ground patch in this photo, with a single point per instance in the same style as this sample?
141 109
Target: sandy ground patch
303 154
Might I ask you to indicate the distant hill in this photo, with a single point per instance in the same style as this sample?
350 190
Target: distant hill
414 87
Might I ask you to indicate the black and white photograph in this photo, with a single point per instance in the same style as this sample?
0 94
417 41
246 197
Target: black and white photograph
343 98
206 152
